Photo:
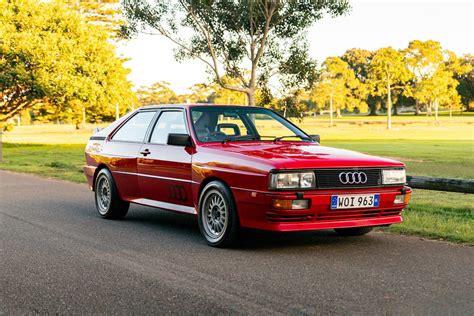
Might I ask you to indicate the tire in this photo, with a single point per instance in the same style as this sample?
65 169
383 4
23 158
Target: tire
358 231
107 201
217 216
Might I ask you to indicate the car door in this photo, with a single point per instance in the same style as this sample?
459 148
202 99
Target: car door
165 170
121 152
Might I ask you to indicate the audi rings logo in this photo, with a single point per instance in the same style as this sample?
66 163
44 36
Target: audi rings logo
353 177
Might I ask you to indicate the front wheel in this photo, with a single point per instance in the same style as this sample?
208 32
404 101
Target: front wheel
358 231
218 220
107 201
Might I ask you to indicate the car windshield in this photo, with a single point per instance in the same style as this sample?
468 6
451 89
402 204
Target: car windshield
226 123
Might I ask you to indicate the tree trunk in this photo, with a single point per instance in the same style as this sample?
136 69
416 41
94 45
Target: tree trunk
373 109
395 109
428 109
338 113
417 107
330 111
436 104
251 98
389 107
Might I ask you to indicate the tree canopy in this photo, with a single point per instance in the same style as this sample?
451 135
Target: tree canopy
251 41
50 55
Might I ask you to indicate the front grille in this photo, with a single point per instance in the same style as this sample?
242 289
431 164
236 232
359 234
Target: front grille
329 178
276 217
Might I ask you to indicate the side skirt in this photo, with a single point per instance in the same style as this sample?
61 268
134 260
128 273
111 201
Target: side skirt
166 206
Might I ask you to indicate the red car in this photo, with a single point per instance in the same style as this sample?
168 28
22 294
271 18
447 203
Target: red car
240 166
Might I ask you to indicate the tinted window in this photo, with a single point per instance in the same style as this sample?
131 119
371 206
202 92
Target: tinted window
135 129
168 123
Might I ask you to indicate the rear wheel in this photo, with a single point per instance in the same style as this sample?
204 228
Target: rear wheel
357 231
107 201
218 221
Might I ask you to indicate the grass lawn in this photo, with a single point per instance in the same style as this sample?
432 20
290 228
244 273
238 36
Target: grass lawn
444 150
439 215
55 161
436 158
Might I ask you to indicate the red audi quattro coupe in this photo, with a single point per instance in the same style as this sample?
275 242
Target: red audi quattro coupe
240 166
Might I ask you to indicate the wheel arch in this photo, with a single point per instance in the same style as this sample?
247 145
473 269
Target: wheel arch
96 172
208 180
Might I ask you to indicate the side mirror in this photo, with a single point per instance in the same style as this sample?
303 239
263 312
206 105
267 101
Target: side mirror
183 140
316 138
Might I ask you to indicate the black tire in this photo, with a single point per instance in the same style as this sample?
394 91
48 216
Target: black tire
358 231
107 201
217 216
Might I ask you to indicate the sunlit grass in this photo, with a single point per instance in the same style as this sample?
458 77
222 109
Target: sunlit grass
440 215
55 161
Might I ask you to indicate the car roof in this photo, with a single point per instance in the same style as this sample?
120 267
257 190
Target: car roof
191 105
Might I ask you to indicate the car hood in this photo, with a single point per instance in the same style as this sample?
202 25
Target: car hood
301 155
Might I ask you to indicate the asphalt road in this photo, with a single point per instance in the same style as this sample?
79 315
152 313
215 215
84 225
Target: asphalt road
58 256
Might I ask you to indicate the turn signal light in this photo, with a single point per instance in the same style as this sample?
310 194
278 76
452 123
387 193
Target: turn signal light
290 204
402 198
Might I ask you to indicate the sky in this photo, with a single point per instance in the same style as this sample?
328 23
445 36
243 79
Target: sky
371 24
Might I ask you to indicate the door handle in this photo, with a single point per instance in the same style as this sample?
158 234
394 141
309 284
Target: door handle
145 152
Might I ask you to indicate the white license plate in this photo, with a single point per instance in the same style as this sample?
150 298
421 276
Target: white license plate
355 201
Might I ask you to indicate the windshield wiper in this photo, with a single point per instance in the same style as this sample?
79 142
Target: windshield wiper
276 139
239 137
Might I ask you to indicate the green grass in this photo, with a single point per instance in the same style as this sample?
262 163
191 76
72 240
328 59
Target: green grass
436 158
55 161
439 215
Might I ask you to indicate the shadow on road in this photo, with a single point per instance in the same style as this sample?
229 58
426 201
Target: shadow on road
186 227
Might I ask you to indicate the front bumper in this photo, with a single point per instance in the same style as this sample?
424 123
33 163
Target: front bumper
256 211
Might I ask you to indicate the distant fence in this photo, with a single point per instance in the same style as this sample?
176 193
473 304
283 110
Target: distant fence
441 184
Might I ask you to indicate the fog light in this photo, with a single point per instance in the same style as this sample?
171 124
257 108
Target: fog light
290 204
399 199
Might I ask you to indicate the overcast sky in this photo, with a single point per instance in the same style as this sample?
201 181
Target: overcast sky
371 24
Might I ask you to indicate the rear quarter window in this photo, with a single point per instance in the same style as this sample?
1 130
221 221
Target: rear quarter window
135 128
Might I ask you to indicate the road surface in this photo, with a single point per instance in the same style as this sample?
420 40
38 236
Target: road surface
58 256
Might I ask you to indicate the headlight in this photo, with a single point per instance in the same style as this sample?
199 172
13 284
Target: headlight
294 180
394 176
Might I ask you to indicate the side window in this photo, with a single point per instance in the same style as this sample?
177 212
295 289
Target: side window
135 129
170 122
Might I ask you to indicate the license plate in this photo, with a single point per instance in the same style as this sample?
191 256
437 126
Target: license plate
355 201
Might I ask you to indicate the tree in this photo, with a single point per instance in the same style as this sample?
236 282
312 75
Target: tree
423 60
388 72
158 93
464 73
247 40
339 87
50 55
359 61
106 13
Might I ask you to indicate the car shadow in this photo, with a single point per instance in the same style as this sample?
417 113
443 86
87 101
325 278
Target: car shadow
185 226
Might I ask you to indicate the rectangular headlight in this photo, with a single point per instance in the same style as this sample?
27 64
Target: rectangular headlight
294 180
394 176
